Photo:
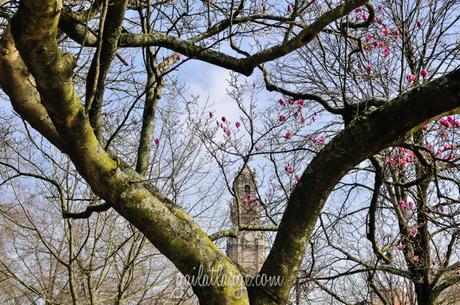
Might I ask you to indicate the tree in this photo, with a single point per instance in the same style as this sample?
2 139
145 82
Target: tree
40 81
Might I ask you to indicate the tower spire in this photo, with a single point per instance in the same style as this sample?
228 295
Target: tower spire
248 248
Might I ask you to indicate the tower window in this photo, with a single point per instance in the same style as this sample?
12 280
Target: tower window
247 189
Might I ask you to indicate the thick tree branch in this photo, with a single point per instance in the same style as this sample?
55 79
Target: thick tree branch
171 230
361 139
153 90
110 30
189 47
371 235
20 86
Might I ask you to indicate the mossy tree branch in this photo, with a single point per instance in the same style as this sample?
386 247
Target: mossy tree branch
171 230
189 47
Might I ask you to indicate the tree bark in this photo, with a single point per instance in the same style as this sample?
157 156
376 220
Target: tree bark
425 295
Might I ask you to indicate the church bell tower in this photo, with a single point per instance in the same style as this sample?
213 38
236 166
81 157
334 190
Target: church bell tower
248 249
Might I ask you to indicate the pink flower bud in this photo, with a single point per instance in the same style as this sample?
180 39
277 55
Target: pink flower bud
386 52
413 232
444 123
368 68
288 135
282 118
424 73
410 78
289 169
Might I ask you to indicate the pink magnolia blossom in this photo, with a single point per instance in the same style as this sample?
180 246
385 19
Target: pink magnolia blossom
410 205
289 169
297 178
289 7
368 68
419 24
368 38
413 232
386 52
282 102
411 155
224 119
444 123
424 73
288 135
365 17
157 141
402 203
237 124
400 246
410 78
282 118
302 119
403 161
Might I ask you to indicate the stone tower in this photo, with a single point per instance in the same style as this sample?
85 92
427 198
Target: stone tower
248 249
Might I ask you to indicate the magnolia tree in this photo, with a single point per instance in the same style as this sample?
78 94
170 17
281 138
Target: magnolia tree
411 223
352 80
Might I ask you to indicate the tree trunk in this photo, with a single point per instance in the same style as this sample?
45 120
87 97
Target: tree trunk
425 295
